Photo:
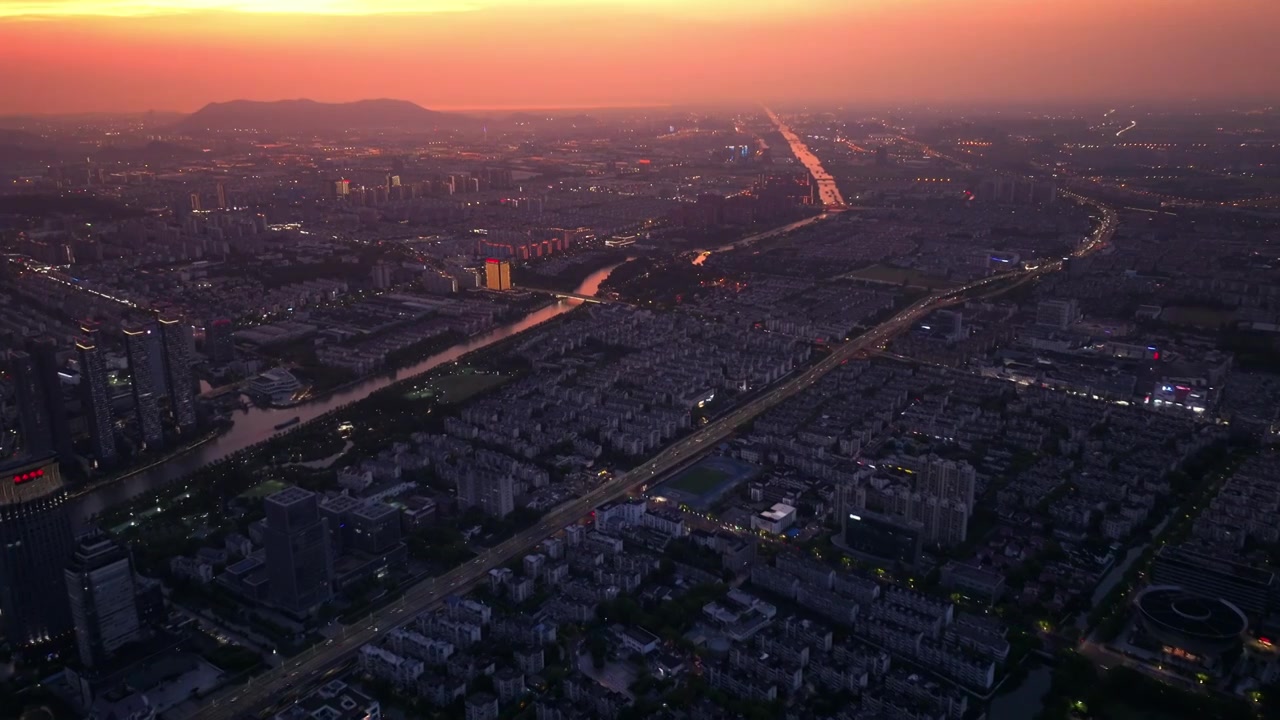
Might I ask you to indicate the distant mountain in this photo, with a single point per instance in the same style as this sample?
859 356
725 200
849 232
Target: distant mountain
293 116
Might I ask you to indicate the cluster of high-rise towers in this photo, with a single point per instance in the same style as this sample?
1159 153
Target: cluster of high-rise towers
54 586
159 355
51 584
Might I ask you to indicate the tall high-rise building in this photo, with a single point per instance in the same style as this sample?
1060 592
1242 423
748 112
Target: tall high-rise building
497 274
945 520
439 283
33 411
935 494
338 512
375 528
196 205
95 395
299 564
43 350
892 538
219 343
493 493
1057 313
222 195
159 373
35 545
948 323
103 596
146 400
369 527
177 361
950 479
381 275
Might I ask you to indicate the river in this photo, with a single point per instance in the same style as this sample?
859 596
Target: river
257 424
702 256
1027 700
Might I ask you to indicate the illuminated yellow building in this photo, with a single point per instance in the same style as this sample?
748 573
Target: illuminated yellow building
497 274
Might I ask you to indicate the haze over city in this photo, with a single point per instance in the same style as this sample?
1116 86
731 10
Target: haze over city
639 359
133 55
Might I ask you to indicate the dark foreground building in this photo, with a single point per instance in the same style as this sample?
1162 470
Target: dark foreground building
103 597
299 564
35 544
876 536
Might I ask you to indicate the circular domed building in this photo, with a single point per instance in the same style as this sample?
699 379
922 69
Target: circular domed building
1202 626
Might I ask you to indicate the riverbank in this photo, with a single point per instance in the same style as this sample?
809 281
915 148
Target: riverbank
93 485
224 427
383 415
575 272
421 355
414 354
255 427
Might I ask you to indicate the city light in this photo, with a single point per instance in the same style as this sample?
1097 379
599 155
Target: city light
894 372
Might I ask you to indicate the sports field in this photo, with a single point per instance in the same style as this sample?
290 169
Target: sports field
699 480
458 386
703 484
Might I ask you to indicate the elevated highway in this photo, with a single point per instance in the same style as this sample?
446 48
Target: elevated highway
576 296
286 683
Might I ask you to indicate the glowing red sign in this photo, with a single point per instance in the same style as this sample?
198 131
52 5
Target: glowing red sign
28 476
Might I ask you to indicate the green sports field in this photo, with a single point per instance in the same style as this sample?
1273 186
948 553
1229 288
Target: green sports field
699 480
456 387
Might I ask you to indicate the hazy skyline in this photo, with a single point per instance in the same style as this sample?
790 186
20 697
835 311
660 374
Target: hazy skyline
131 55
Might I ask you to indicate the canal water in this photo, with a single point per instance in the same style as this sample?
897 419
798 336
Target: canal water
1027 700
257 424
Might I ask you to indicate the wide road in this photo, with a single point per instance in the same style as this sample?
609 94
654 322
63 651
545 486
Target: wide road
282 684
828 193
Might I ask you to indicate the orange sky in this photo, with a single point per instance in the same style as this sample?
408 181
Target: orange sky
111 55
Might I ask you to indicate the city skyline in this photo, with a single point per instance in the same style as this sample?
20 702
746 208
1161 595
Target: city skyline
839 359
136 55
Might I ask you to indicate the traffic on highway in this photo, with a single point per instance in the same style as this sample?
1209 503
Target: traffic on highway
287 682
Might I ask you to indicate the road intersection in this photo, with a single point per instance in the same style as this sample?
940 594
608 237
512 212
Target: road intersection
287 681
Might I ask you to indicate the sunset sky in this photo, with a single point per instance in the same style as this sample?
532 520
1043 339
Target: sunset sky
126 55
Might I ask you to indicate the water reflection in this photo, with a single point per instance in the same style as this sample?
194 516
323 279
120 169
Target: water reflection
255 424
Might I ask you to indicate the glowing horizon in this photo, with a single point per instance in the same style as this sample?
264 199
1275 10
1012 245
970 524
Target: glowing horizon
142 8
53 9
133 55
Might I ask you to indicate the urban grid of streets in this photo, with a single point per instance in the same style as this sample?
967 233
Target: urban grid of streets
286 682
